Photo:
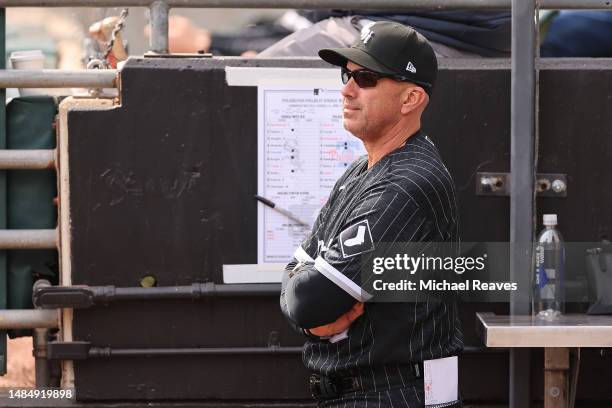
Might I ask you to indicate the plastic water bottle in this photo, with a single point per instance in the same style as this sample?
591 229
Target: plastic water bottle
549 271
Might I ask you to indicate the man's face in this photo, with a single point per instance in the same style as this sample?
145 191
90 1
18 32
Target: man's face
370 112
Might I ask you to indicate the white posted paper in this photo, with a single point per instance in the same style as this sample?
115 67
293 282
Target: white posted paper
303 150
440 380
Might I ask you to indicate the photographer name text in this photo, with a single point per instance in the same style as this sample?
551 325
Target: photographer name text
442 285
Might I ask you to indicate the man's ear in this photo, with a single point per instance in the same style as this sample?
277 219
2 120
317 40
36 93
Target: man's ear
413 98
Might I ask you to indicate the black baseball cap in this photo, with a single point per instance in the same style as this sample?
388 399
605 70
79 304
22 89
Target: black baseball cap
390 48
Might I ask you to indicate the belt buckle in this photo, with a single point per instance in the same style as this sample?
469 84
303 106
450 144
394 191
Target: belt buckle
323 387
313 385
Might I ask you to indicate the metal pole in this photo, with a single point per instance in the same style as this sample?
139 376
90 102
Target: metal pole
56 78
27 159
83 296
158 42
28 239
197 290
522 134
136 352
80 350
28 319
3 200
118 352
41 364
316 4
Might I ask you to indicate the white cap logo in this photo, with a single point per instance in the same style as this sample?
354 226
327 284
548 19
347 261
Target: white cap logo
410 67
367 33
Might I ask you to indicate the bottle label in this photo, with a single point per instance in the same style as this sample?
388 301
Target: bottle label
541 277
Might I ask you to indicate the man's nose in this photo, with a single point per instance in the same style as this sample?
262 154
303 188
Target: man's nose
350 89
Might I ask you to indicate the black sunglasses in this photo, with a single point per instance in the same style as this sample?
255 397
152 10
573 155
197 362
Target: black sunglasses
368 79
363 77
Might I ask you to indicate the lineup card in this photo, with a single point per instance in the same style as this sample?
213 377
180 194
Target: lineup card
303 149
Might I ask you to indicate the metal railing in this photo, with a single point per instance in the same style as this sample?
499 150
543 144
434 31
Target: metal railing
160 8
27 159
56 78
28 319
28 239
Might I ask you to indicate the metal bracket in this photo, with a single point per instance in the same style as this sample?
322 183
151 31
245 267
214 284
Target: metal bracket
68 350
498 184
55 297
552 185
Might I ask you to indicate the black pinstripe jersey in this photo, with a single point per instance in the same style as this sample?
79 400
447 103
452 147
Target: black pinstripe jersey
407 196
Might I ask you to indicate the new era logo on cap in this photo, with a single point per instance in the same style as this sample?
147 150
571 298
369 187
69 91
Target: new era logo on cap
410 67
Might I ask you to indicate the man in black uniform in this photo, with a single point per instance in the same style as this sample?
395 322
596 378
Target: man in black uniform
372 354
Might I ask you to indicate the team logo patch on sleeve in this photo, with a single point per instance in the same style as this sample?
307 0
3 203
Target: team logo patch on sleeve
356 239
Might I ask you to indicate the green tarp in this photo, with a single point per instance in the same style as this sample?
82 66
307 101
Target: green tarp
30 195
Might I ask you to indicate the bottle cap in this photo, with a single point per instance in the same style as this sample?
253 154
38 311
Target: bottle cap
550 219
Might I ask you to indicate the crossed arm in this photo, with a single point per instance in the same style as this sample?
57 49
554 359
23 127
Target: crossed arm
313 304
323 296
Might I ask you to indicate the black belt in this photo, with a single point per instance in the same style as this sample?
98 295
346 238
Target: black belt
333 386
